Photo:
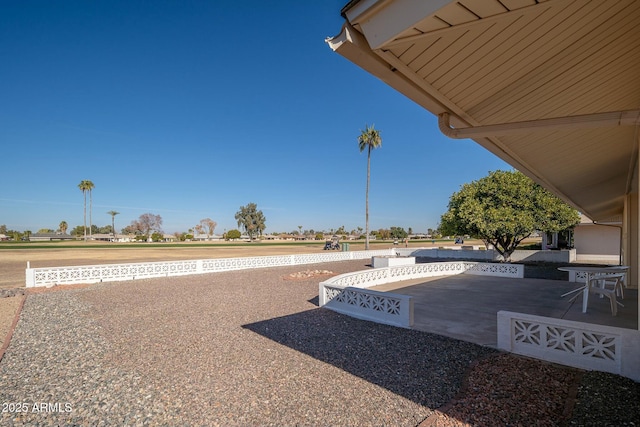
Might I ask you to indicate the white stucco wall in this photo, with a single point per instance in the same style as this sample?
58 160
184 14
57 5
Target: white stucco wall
593 241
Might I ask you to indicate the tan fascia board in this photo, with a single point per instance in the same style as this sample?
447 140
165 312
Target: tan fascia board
352 45
383 20
612 221
608 119
362 9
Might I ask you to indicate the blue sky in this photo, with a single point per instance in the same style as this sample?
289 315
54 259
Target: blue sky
191 109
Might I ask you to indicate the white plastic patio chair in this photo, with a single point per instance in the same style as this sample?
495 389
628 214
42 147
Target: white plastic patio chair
612 281
610 286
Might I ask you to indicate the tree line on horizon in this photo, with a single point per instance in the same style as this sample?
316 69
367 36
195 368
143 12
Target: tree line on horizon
148 226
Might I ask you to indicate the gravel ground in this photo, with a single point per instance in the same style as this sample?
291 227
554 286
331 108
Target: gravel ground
252 348
9 307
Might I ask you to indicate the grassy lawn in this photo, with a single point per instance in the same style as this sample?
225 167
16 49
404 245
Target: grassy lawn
217 244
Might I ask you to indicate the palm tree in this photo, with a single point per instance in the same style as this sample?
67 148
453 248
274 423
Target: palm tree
86 185
63 227
90 187
83 186
113 223
370 139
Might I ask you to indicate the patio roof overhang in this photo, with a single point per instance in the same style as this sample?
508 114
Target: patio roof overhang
551 87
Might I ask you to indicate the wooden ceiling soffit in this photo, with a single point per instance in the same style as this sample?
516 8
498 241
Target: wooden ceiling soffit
515 14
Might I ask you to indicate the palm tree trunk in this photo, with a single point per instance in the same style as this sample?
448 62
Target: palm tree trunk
366 241
84 193
90 213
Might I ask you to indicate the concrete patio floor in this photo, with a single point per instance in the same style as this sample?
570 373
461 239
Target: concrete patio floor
465 307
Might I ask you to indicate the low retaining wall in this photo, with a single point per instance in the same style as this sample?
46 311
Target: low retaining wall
490 255
380 276
51 276
455 252
557 256
347 292
577 344
380 307
391 261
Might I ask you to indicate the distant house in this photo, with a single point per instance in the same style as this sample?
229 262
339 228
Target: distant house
204 237
598 242
49 237
108 237
4 237
557 240
593 242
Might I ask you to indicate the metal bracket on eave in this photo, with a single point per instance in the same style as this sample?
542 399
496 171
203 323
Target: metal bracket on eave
610 119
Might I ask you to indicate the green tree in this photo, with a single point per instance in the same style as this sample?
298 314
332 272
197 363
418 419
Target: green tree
77 231
383 234
184 236
113 223
251 220
86 186
63 227
398 233
107 229
233 234
15 235
503 209
369 139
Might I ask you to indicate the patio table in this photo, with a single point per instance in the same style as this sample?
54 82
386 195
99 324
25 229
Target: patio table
589 273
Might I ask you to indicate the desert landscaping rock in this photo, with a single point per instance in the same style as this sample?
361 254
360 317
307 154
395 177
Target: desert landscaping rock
307 274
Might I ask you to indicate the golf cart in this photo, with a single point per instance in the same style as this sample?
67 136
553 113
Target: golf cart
333 244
